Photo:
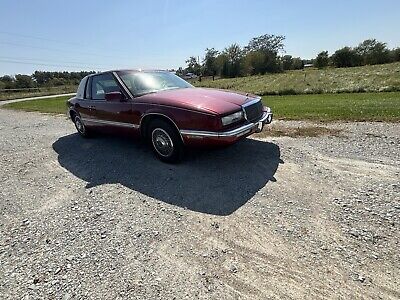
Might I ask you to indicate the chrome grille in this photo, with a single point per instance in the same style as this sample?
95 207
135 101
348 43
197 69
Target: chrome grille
253 111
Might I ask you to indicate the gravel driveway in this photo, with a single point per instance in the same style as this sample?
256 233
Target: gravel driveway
274 218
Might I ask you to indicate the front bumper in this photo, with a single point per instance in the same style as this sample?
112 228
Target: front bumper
231 135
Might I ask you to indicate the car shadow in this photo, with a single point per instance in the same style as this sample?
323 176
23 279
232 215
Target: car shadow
217 181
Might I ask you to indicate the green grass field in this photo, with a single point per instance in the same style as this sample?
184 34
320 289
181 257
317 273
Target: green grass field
37 93
333 107
325 107
49 105
378 78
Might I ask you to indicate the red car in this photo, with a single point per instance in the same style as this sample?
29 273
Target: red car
166 110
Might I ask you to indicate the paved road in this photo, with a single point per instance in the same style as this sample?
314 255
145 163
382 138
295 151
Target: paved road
274 218
33 98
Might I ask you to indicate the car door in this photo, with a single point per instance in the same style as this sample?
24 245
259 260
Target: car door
109 113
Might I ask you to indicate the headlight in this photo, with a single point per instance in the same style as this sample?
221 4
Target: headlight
237 116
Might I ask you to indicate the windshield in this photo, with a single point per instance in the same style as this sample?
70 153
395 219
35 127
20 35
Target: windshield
140 83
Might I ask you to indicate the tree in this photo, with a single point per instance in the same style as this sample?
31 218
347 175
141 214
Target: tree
23 81
261 54
260 62
192 66
41 77
395 54
7 82
209 62
222 63
373 52
267 42
297 64
322 60
44 78
6 78
179 72
234 55
346 57
292 63
287 62
254 63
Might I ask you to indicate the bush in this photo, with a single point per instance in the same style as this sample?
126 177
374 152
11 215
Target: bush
287 92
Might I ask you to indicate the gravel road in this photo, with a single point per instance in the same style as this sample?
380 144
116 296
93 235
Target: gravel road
273 218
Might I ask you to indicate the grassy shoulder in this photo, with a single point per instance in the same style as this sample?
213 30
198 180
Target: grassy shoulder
55 105
334 107
377 78
37 93
383 107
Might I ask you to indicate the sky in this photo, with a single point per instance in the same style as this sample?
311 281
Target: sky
54 35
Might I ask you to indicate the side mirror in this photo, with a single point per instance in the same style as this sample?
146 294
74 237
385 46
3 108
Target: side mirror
114 97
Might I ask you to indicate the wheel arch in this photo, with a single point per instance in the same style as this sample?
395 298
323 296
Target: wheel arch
149 117
72 113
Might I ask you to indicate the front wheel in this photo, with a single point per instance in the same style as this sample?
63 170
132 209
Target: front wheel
166 141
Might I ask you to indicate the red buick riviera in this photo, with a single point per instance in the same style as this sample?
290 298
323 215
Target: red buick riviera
166 110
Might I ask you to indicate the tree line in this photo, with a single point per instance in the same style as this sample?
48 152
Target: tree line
42 79
259 56
369 52
264 54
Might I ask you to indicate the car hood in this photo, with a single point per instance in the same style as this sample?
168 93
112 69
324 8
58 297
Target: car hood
206 100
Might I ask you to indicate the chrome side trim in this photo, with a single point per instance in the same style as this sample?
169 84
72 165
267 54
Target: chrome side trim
112 123
237 132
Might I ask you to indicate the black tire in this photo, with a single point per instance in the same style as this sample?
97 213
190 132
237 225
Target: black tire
165 141
80 127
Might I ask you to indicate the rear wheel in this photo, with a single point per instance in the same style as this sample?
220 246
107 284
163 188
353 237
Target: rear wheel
80 127
165 140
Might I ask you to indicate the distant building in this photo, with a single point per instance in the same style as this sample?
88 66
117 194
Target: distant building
306 66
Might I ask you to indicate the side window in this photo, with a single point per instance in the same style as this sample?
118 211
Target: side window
81 88
103 84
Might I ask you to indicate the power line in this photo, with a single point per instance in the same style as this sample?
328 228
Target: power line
49 60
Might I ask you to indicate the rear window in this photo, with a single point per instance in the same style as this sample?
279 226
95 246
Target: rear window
81 88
